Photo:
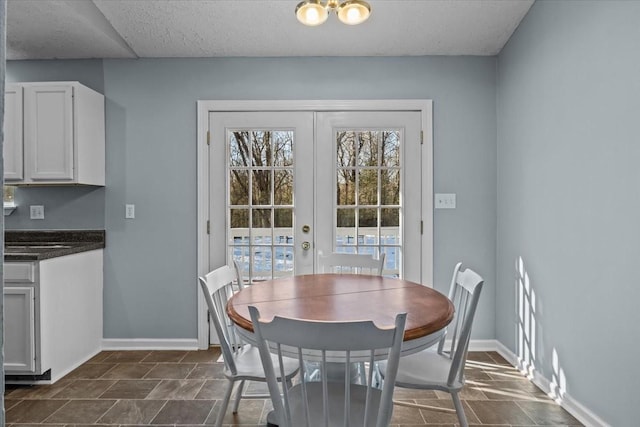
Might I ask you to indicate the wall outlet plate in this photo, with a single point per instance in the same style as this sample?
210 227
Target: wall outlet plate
130 211
36 211
445 201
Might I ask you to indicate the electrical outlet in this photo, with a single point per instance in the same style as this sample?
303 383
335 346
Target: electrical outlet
130 211
37 211
445 201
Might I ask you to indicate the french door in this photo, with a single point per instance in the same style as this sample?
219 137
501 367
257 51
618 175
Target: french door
285 185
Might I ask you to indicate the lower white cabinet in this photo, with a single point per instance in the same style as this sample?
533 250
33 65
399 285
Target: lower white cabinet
20 333
53 315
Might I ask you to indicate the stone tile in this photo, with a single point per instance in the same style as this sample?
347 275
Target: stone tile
207 371
130 389
250 412
548 413
500 412
100 357
514 389
202 356
176 371
33 411
86 389
184 412
497 358
45 391
402 393
127 356
132 412
165 356
90 371
406 415
468 392
438 417
176 389
128 371
212 389
8 404
81 411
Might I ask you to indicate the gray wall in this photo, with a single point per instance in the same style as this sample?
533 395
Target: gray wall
568 199
150 262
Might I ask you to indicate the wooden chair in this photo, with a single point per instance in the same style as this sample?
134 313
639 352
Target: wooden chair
350 263
440 369
242 361
327 403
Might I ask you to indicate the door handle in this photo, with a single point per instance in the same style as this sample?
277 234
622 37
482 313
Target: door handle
306 246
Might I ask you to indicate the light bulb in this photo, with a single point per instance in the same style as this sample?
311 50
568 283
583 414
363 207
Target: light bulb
353 12
311 12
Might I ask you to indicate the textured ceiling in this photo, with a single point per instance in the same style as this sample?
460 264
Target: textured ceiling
43 29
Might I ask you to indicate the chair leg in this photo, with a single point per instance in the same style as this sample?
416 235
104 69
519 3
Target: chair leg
459 409
225 403
238 397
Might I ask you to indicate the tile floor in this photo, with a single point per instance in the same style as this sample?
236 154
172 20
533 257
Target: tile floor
183 388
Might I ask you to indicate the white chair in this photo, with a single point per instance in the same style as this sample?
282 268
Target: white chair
444 370
350 263
239 279
242 361
327 403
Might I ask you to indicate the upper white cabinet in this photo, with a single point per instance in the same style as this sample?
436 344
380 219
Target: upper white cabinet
54 134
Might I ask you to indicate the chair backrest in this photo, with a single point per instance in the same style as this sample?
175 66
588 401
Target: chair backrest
328 342
350 263
464 292
239 278
218 288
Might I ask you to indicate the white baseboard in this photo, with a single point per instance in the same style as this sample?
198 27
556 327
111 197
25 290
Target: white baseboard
149 344
575 408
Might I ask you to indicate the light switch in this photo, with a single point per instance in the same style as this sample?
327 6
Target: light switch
445 201
37 211
130 211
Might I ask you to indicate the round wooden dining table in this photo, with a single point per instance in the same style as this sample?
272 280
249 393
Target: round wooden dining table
347 297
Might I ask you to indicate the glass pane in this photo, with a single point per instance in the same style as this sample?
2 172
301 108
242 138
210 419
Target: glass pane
261 218
368 187
346 249
261 183
346 148
238 187
391 261
390 217
390 149
240 254
346 218
283 148
239 218
367 218
283 218
261 257
346 187
283 187
368 148
284 261
261 148
239 149
390 187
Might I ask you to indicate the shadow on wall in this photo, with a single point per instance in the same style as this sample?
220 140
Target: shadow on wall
526 330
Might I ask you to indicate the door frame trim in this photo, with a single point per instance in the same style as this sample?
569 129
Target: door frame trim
205 107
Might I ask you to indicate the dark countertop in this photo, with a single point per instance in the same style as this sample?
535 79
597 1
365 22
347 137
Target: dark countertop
37 245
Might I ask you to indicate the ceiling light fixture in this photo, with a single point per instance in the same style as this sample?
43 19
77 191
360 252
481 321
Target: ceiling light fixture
350 12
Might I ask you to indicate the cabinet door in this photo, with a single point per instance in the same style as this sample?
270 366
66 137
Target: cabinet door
13 134
19 329
48 132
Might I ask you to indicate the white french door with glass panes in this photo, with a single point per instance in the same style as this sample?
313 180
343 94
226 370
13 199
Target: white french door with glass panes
261 183
368 183
286 185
